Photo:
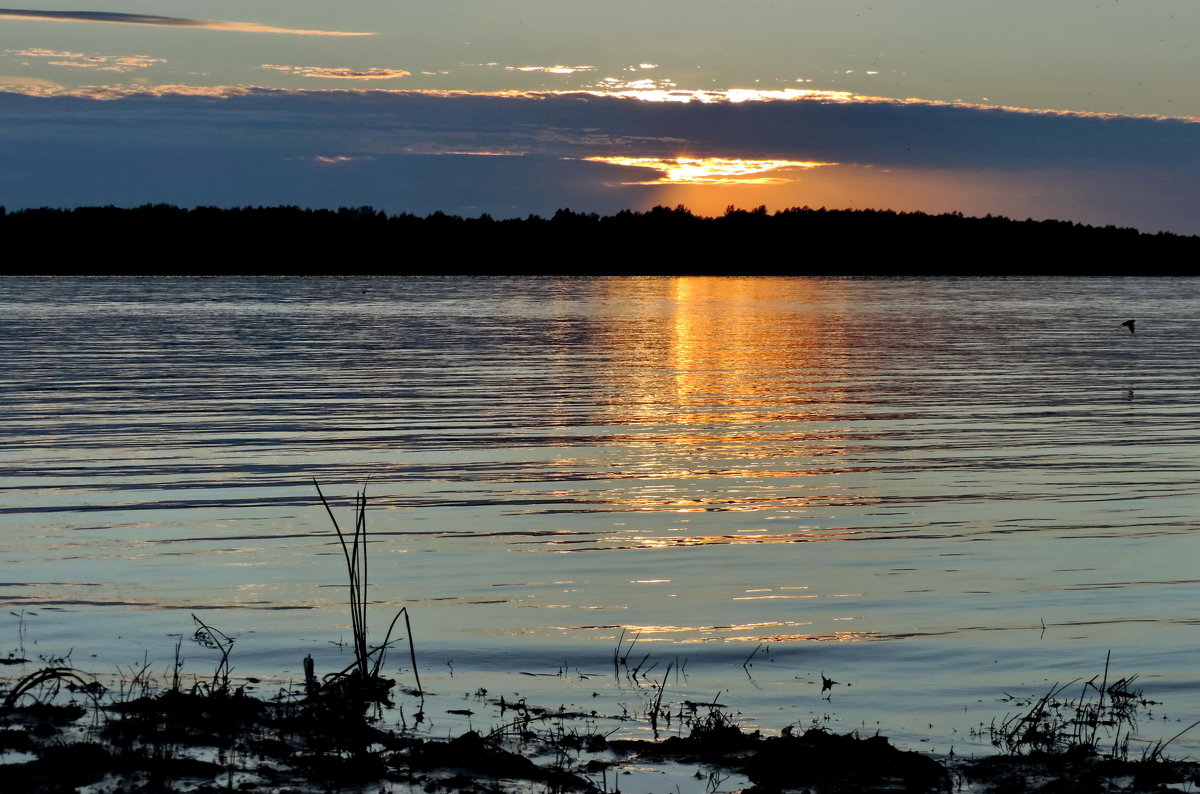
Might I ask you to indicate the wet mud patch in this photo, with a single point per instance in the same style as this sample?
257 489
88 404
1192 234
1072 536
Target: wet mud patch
816 760
193 742
1077 773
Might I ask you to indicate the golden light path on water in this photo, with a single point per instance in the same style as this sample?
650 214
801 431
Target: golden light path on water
723 435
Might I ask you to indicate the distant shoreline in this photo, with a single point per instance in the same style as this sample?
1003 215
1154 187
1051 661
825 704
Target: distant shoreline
801 241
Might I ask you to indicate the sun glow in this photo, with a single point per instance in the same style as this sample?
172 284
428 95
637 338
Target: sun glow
710 170
664 91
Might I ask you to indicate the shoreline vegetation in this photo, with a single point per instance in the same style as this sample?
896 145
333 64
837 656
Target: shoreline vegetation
65 730
169 240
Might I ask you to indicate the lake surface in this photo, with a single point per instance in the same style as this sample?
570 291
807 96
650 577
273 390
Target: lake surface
932 491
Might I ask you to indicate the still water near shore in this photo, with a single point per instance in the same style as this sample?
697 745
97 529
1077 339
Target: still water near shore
931 491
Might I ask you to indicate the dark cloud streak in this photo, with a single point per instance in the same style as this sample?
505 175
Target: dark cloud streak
870 132
99 16
120 18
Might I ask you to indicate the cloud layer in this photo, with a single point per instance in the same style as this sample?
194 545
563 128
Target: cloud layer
339 72
84 60
425 151
149 19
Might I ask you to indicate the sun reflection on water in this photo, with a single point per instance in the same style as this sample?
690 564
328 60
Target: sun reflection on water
729 427
762 631
728 435
634 542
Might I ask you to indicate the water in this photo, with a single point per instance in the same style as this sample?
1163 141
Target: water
931 491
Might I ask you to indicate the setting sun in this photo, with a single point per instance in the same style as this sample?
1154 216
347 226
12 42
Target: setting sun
710 170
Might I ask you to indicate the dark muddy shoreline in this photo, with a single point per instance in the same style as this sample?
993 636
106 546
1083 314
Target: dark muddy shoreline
228 741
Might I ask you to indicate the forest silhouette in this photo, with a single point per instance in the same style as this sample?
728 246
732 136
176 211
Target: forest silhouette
165 239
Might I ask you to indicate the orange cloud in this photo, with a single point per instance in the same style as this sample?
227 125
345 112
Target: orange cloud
339 72
337 159
82 60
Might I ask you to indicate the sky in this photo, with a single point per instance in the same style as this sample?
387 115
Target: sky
1083 111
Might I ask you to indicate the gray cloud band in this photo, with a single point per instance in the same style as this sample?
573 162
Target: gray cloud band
876 132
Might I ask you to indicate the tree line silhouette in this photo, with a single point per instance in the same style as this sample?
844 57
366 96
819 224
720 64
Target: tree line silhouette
161 238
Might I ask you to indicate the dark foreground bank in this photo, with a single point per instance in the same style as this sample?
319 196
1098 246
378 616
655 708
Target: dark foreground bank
61 732
163 239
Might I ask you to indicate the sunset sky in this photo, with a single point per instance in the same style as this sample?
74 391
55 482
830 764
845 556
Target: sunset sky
1080 110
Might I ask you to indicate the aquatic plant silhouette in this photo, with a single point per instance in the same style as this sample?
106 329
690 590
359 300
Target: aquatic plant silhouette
360 682
1099 722
41 686
216 640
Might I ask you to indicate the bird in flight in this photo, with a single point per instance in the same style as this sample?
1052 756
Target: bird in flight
1128 324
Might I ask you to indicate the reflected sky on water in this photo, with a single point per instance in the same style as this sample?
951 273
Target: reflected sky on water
927 471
